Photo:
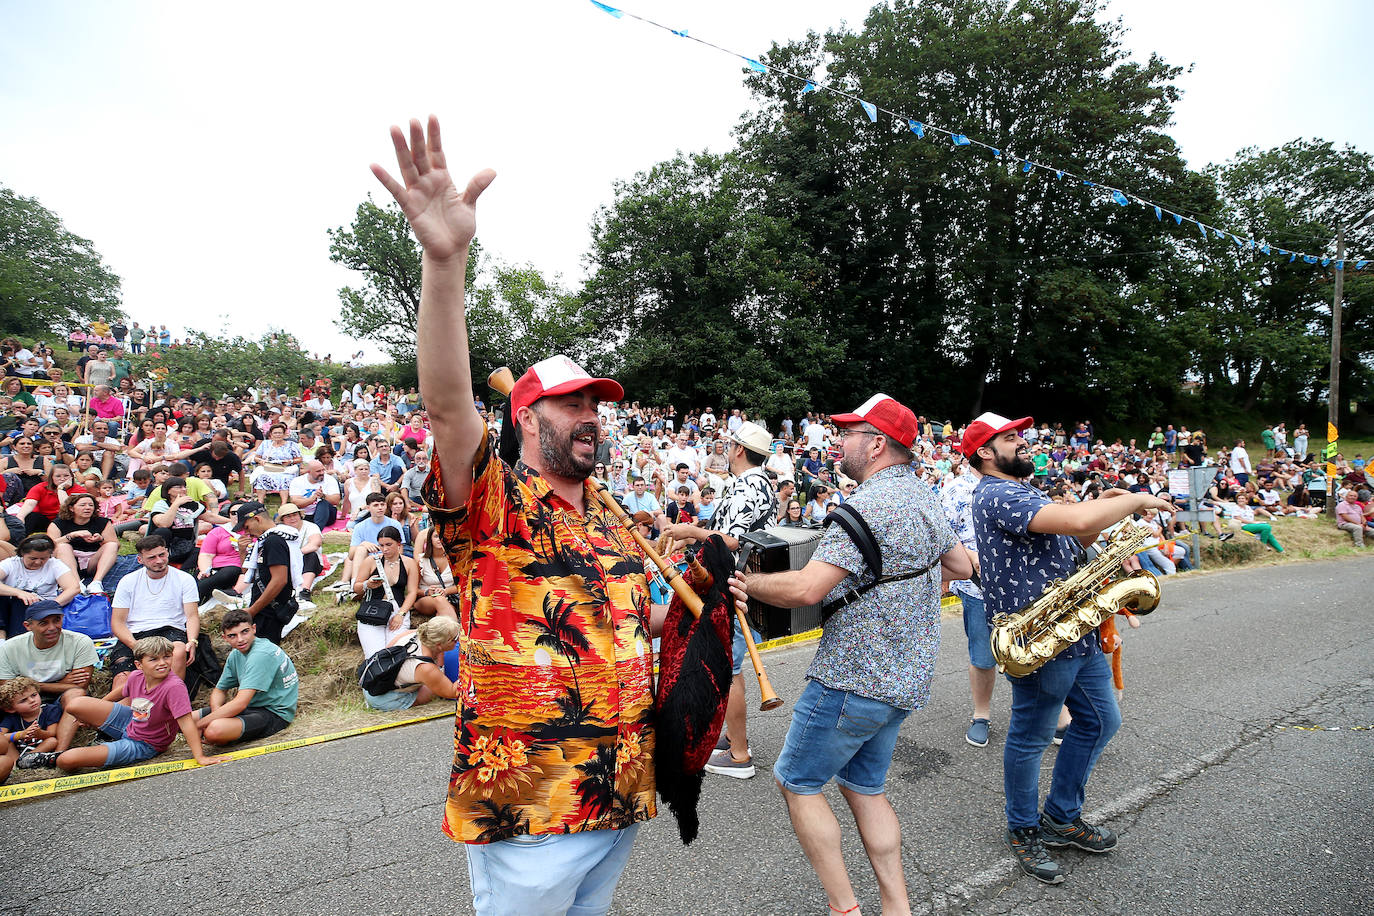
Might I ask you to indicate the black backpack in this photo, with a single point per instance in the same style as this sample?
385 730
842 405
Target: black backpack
848 518
378 674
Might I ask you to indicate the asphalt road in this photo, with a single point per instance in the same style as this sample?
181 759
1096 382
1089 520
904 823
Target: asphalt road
1220 809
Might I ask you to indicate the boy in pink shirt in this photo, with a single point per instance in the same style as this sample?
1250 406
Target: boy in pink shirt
143 719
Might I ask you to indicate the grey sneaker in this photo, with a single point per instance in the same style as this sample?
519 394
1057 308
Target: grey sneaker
32 760
725 765
1078 833
1026 845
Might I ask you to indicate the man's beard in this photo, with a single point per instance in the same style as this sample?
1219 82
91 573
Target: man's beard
556 451
1017 465
853 466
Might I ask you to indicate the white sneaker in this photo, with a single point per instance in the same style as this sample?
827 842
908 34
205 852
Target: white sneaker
295 622
732 767
210 605
96 587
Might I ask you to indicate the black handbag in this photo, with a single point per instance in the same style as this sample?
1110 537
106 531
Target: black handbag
375 611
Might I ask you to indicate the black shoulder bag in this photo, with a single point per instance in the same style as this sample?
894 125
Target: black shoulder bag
848 518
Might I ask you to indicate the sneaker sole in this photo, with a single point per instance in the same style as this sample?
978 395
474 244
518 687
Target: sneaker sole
1059 843
1053 879
733 772
975 743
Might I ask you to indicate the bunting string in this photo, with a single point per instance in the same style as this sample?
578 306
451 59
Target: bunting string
921 128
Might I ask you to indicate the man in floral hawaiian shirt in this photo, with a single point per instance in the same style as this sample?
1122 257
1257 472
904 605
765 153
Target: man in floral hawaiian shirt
553 744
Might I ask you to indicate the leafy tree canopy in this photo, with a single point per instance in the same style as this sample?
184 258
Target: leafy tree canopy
50 279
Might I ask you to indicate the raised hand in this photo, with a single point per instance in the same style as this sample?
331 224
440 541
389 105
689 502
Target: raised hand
443 219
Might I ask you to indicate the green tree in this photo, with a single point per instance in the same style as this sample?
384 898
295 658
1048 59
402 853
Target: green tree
515 315
219 364
50 279
704 297
955 279
1269 317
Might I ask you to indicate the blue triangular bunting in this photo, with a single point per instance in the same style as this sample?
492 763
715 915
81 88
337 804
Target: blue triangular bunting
1159 214
755 65
809 87
869 109
1026 167
1120 198
960 139
917 128
609 9
1359 265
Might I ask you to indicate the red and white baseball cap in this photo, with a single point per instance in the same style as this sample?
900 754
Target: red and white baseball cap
887 414
559 375
985 427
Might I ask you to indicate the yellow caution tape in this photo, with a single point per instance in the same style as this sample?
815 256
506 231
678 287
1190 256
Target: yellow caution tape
61 784
44 787
1326 728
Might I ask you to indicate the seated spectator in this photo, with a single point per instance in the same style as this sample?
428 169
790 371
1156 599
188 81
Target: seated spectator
639 499
104 450
42 503
818 505
226 466
219 563
84 473
266 681
28 727
316 494
356 489
85 540
438 590
364 538
57 660
421 677
25 464
29 578
386 466
277 460
155 600
398 513
275 568
386 575
108 407
413 480
1241 514
140 718
174 518
792 515
311 542
1349 517
681 510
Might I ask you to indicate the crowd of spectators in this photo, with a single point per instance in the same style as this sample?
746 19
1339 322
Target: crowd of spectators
188 481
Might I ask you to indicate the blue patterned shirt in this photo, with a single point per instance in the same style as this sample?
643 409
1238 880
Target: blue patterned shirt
1017 563
883 646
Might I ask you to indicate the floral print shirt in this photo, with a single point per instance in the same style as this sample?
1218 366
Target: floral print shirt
554 729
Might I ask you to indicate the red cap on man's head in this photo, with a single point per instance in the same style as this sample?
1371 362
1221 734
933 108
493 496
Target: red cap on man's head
890 416
987 426
559 375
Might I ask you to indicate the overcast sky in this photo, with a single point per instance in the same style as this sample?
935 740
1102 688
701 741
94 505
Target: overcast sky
206 149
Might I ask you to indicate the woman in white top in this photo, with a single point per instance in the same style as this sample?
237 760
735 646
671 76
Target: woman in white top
32 576
781 463
356 489
438 591
421 677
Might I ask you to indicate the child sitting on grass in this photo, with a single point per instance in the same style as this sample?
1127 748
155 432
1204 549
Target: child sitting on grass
142 720
28 727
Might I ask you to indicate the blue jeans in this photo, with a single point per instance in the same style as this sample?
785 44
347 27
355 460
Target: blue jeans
324 514
1084 684
840 735
550 874
739 649
978 632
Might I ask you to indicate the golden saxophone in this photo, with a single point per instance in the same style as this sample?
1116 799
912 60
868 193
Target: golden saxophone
1071 608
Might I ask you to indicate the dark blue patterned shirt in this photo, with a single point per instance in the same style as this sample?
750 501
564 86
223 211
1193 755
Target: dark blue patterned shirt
1017 563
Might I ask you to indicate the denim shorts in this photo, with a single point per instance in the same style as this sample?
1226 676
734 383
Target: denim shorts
550 874
394 699
978 632
838 735
739 650
122 751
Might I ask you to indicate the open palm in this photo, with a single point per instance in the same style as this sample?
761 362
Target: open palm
443 219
